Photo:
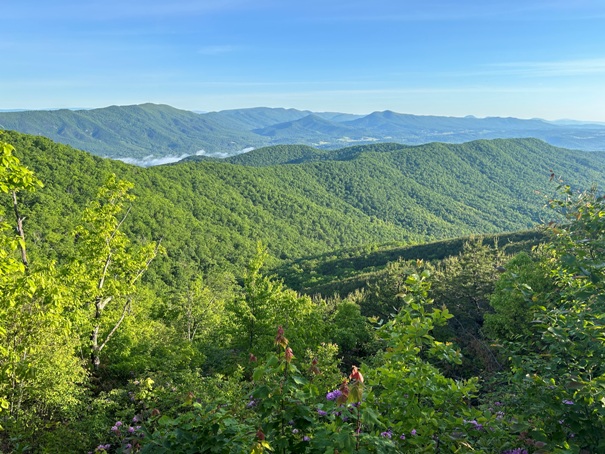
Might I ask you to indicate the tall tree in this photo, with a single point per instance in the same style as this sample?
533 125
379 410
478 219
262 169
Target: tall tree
107 267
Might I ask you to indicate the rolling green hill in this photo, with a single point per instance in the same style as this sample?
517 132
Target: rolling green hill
212 213
151 134
132 131
311 128
256 117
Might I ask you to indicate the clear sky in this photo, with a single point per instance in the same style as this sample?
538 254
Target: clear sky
522 58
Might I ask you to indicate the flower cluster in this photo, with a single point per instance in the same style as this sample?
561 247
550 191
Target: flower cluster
251 403
333 395
475 424
389 434
126 436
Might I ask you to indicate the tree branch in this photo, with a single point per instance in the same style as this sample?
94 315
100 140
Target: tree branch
104 273
116 326
119 224
144 268
20 229
101 305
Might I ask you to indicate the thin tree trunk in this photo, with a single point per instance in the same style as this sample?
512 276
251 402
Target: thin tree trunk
20 229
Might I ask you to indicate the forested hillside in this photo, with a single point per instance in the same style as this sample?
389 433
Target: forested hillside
137 313
213 212
132 131
348 270
151 134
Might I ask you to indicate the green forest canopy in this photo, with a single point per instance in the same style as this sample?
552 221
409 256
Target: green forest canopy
190 359
301 201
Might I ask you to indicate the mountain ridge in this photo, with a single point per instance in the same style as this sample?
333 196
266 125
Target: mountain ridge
213 212
161 131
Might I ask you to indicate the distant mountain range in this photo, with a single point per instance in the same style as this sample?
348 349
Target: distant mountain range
161 133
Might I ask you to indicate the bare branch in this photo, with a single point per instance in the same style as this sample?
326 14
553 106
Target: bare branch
144 268
104 273
115 232
116 326
101 305
20 229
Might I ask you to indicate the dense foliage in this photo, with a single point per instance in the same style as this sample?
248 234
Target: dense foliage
112 339
346 270
211 214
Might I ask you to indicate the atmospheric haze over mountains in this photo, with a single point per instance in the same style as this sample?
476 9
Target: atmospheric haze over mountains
154 134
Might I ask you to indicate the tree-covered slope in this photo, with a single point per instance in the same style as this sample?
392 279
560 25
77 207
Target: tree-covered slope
160 131
442 190
256 117
297 154
311 128
208 213
132 131
344 271
211 213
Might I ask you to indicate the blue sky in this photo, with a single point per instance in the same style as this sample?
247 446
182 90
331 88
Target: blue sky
522 58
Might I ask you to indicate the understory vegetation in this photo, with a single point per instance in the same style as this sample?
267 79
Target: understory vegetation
114 341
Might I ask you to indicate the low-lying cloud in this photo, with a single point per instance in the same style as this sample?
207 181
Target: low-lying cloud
150 161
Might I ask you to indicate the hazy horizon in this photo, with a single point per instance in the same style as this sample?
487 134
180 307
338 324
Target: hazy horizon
50 109
515 58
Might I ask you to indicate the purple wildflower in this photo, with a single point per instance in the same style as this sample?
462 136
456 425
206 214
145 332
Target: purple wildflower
131 430
402 437
333 395
118 424
475 424
115 429
413 432
320 412
306 438
295 431
568 402
387 434
515 451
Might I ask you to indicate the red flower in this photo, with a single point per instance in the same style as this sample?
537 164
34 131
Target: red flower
289 354
280 339
314 369
356 375
344 392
